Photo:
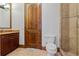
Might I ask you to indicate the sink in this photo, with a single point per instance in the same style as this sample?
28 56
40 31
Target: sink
4 30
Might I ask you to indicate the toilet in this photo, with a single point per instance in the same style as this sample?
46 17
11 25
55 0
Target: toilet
51 47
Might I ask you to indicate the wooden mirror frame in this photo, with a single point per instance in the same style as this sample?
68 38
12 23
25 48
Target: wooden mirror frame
10 19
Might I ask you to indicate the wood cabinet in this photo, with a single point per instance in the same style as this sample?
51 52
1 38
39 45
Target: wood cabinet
8 42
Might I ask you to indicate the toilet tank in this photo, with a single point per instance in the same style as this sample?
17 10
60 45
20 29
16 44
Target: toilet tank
50 39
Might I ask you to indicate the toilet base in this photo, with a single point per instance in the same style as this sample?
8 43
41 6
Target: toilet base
48 54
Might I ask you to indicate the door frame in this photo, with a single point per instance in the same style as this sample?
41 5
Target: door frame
25 23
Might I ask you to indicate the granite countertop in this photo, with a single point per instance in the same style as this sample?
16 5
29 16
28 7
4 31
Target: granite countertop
8 31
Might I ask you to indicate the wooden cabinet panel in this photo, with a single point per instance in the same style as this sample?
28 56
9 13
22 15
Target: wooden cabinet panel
9 42
0 42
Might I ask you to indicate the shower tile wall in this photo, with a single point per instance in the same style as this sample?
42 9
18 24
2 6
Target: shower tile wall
65 27
73 28
72 10
64 10
65 34
78 9
78 27
72 35
69 28
78 41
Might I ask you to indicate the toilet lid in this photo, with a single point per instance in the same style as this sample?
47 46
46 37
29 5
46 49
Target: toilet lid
51 46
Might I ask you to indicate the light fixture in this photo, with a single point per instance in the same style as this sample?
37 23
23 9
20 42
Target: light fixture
4 5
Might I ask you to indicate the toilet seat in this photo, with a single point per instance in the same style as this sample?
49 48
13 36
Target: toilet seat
51 49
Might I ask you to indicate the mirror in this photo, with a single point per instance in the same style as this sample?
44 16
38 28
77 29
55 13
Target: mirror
5 15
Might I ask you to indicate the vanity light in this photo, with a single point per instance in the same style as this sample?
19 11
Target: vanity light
4 5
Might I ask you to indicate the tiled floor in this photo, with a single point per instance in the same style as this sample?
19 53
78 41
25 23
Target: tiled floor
33 52
27 52
69 54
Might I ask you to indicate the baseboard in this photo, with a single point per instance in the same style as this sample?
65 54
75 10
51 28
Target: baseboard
58 49
43 48
22 46
61 51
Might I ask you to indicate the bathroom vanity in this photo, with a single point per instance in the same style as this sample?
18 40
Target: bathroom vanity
9 40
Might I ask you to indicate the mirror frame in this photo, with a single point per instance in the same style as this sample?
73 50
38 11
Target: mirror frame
10 18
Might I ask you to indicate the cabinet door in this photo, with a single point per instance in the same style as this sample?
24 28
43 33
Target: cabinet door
9 42
0 45
5 44
14 39
0 42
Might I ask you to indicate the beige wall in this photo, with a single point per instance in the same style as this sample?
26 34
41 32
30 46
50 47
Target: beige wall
18 19
50 22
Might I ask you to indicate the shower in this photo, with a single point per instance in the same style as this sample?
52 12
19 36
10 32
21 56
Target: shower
70 28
